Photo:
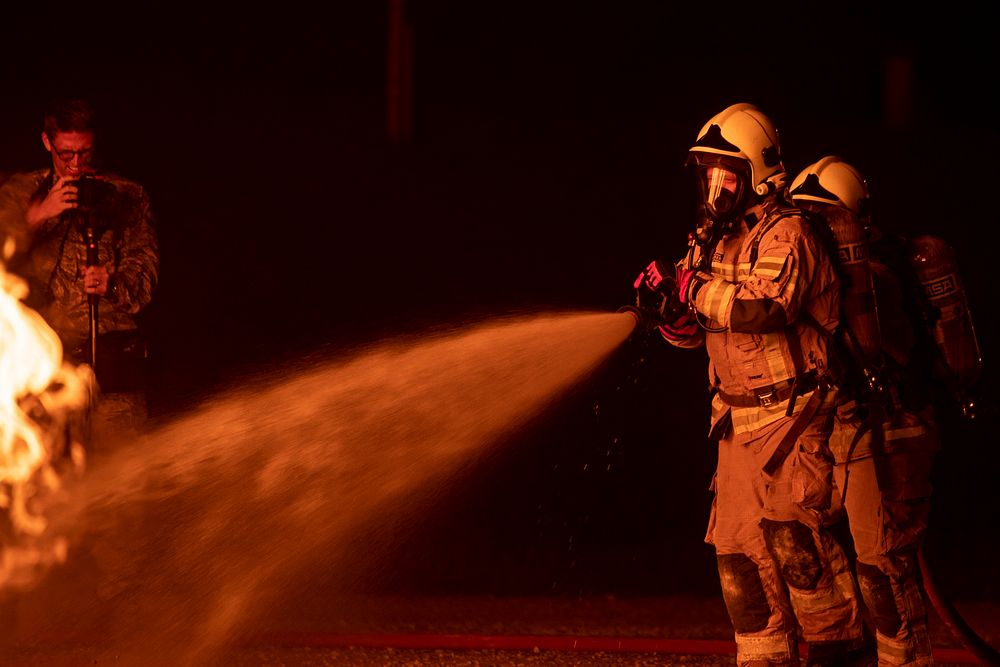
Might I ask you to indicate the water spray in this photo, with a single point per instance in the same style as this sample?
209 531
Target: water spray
199 528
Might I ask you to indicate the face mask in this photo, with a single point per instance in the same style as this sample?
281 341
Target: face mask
721 192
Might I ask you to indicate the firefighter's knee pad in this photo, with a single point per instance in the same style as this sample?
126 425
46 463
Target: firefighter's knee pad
876 590
743 593
791 544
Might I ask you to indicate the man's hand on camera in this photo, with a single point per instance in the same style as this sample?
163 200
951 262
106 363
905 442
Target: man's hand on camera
95 280
62 197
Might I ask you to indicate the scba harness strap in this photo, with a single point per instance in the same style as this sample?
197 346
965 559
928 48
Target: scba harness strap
809 410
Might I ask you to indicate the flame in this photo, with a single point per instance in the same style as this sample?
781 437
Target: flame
39 393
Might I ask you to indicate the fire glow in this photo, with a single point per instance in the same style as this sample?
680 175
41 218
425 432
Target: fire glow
38 393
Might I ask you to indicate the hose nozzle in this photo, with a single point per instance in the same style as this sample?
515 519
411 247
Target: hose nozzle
642 320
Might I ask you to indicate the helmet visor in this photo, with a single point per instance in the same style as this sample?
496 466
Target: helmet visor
721 191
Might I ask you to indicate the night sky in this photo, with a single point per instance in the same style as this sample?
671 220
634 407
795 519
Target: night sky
545 170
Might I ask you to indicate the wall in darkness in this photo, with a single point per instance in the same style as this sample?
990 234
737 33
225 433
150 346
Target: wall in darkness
545 171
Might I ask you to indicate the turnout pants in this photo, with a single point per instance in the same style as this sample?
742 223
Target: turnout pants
778 566
886 495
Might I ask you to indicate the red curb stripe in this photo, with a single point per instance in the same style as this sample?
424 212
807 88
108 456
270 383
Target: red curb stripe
508 642
542 642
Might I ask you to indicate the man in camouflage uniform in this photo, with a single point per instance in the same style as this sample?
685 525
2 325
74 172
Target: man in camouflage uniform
759 291
45 216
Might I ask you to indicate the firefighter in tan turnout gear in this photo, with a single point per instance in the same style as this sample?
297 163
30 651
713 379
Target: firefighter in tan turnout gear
759 290
884 438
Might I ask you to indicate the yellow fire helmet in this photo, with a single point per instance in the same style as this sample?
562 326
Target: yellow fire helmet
835 182
742 135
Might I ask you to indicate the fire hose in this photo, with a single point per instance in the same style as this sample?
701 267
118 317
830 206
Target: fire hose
952 619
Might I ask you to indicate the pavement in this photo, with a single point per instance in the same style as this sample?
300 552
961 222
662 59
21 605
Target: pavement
503 631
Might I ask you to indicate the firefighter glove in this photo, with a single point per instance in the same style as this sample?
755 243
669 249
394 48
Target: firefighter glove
688 283
656 292
679 329
656 277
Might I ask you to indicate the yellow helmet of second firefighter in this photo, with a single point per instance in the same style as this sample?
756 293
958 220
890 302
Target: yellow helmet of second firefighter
743 140
832 181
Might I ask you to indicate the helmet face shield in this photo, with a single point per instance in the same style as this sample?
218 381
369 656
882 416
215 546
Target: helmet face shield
722 183
721 191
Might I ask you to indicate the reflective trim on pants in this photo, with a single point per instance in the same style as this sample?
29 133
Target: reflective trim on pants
902 653
775 648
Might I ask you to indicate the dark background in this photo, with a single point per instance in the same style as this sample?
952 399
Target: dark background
543 173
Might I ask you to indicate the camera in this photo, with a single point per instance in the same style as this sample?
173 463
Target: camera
95 195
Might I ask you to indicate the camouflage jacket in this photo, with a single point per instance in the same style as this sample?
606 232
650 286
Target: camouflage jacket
52 257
